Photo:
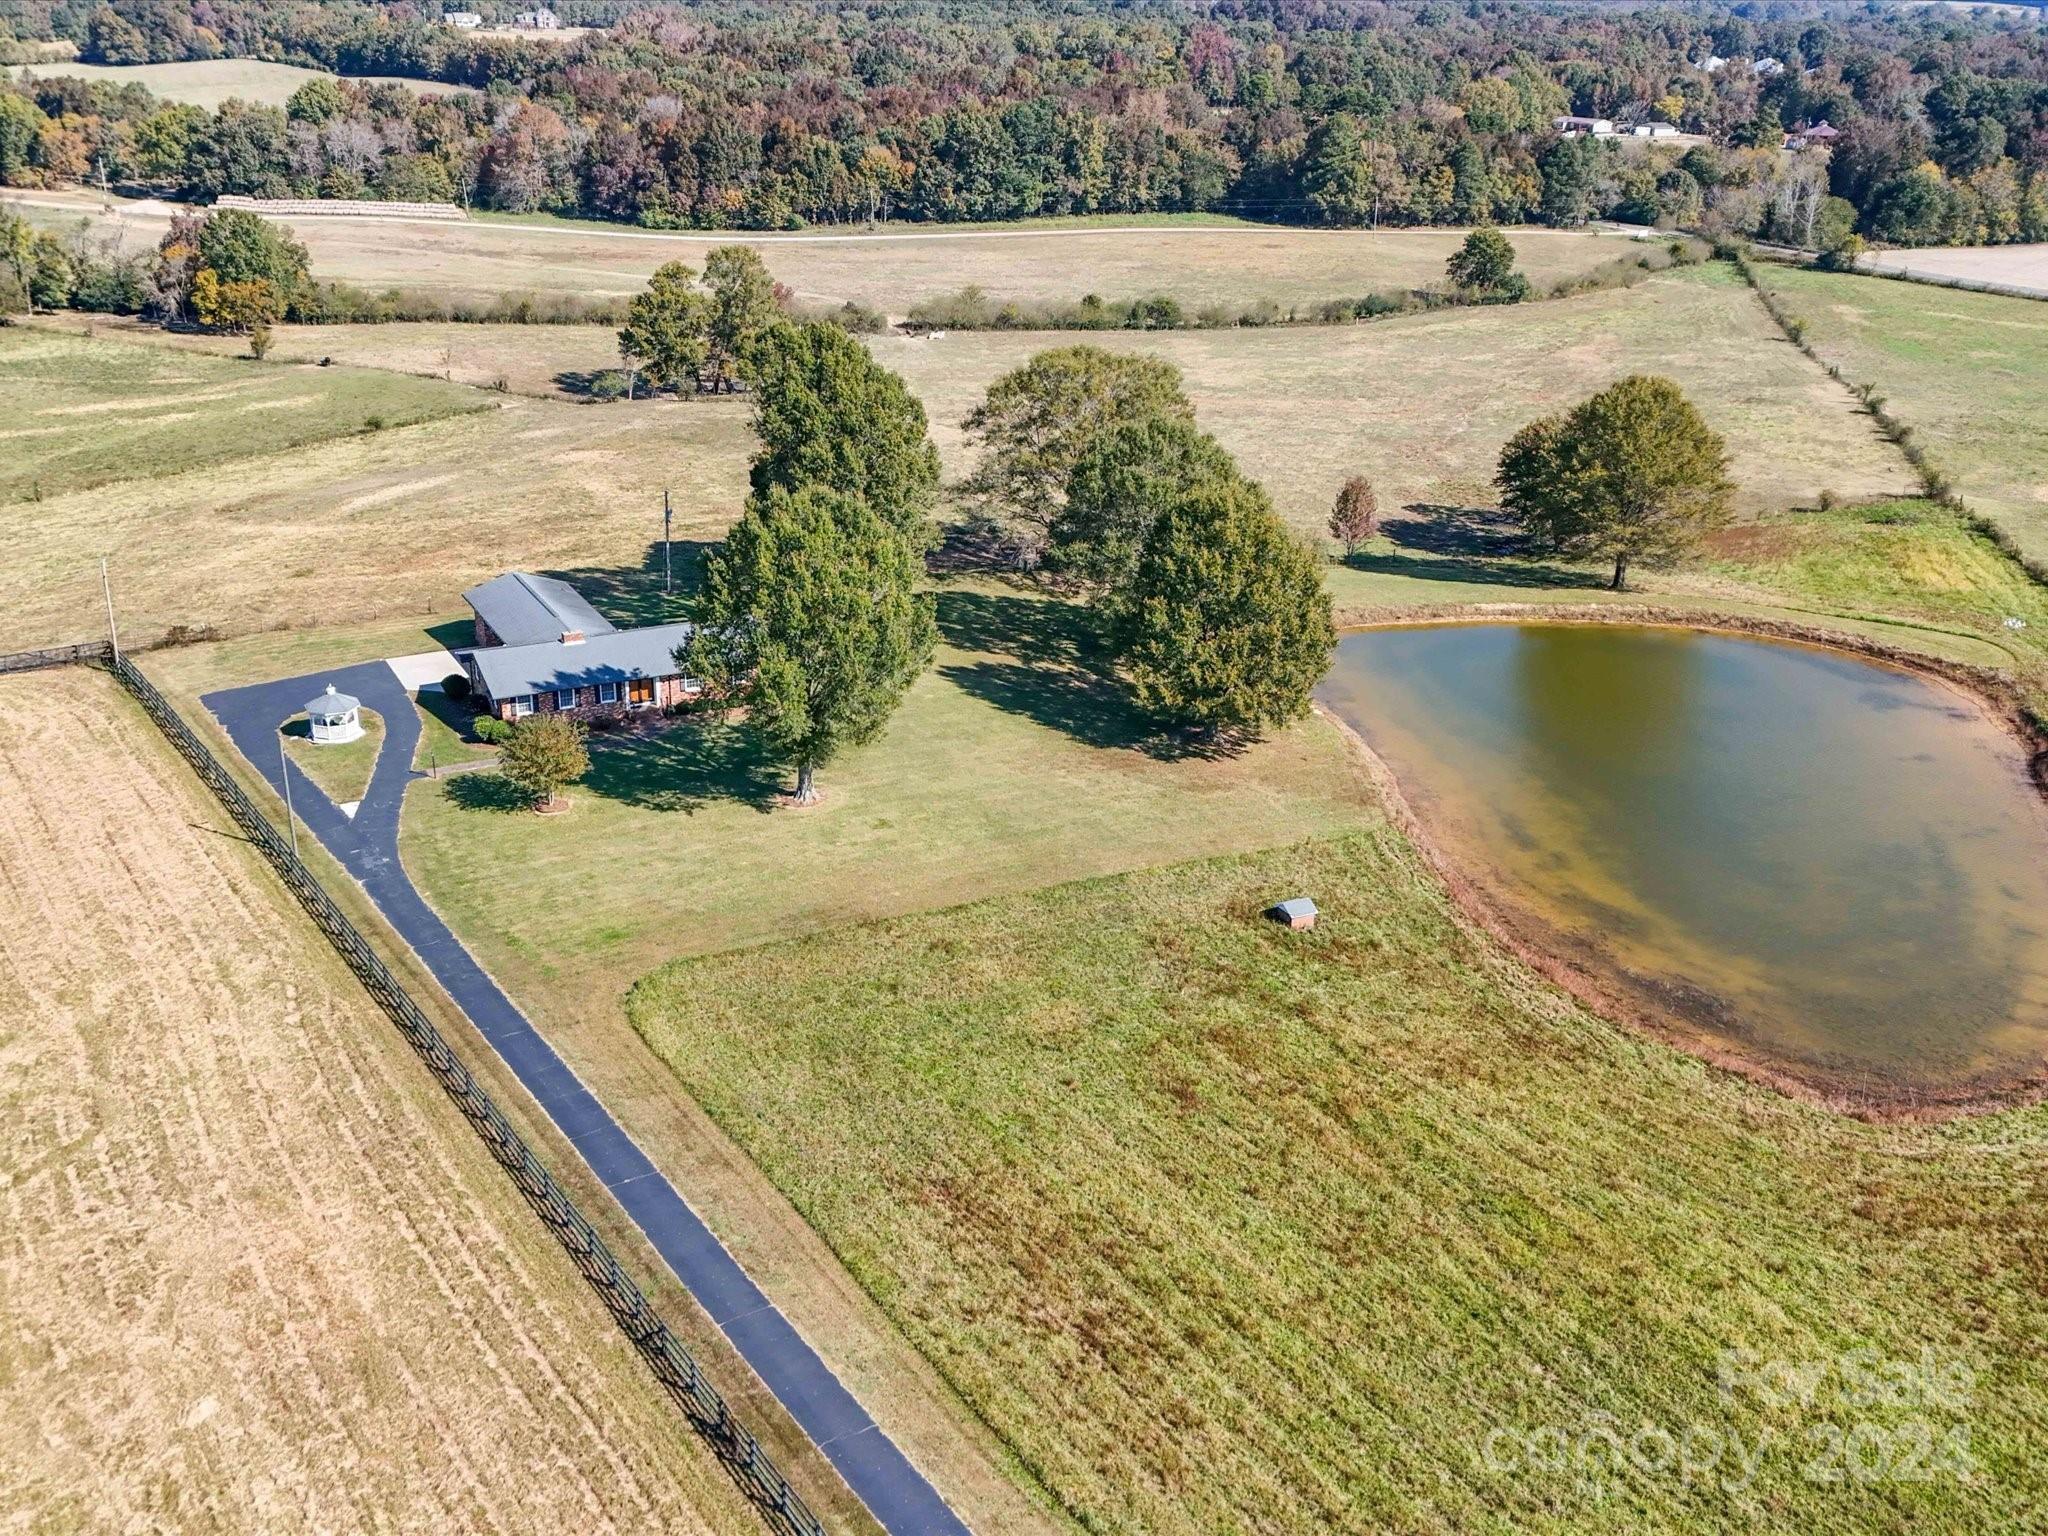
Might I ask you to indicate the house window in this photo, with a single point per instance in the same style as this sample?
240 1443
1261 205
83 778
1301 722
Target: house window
607 693
691 687
565 698
520 705
640 692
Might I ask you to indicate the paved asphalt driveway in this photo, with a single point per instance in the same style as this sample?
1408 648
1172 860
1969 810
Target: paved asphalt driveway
894 1491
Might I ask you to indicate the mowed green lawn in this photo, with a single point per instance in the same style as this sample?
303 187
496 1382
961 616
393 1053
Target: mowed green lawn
1225 1228
1008 767
1968 371
79 413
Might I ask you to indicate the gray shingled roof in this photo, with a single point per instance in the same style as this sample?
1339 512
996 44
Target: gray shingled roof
331 704
508 671
524 609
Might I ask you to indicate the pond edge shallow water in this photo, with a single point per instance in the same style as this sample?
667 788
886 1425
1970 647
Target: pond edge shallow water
1987 689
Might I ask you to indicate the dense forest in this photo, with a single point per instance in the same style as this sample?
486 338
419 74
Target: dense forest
726 115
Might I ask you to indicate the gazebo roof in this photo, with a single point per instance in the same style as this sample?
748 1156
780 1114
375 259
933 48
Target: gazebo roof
331 704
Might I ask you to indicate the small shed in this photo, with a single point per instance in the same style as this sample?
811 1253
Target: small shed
1296 912
334 718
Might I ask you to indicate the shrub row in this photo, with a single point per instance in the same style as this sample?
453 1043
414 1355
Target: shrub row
971 309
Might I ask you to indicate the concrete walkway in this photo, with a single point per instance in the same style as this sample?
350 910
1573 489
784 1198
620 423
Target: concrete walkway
893 1490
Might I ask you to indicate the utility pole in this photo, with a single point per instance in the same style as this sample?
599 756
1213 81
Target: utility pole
667 574
107 591
284 776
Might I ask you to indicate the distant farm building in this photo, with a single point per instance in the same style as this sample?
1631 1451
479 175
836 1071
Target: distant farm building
1822 135
536 21
465 20
542 649
1590 127
1654 130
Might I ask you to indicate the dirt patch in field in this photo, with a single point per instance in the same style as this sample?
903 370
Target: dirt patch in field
256 1273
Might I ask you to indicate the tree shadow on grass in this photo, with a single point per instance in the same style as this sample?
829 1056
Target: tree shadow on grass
1048 661
487 791
685 768
631 596
1480 545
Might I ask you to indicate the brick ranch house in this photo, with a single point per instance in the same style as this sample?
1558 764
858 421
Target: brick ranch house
542 649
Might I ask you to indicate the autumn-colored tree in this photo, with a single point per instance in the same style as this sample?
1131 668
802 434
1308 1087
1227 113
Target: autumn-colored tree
1355 520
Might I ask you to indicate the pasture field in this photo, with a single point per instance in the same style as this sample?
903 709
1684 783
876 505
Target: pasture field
80 414
258 1273
1968 371
209 82
395 522
1199 262
1421 404
1227 1228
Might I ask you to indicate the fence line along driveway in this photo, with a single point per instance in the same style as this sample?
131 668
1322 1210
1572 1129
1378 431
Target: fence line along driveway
900 1498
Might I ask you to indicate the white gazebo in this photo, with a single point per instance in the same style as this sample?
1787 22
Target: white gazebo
334 718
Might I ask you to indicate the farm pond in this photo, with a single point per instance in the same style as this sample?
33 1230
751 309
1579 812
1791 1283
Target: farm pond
1824 868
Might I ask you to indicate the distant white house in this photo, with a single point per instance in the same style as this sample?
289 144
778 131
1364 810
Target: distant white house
1654 130
536 21
1765 68
1592 127
465 20
1712 64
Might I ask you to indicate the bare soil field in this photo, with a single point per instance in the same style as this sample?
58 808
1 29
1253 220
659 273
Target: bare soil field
2015 266
1199 263
209 82
256 1273
1421 404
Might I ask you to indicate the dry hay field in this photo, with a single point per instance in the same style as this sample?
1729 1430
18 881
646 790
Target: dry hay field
1199 262
2017 266
1422 403
395 522
256 1272
209 82
1968 372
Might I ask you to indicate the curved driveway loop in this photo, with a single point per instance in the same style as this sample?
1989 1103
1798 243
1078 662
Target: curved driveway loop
894 1491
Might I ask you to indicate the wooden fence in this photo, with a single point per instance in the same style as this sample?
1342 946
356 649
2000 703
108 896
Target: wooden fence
758 1477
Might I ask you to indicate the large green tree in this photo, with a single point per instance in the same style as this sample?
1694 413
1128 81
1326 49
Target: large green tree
543 756
742 306
1484 264
1633 475
239 247
1125 479
1224 625
1038 420
811 614
664 333
828 414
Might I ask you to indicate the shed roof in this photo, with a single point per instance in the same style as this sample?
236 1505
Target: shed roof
1295 906
508 671
525 609
331 704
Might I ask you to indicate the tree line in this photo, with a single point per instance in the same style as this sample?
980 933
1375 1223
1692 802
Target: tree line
1341 112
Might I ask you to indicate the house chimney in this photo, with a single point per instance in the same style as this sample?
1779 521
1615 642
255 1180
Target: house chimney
572 637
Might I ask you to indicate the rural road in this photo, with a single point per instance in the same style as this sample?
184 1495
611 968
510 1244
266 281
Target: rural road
881 1476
